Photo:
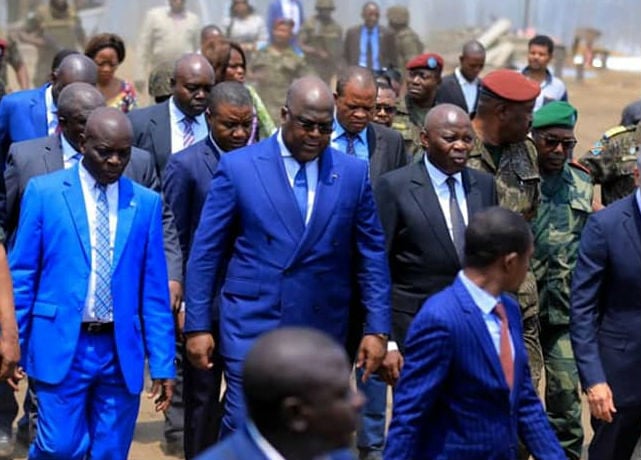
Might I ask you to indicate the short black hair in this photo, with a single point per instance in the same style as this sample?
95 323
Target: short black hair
493 233
542 40
230 92
102 41
353 72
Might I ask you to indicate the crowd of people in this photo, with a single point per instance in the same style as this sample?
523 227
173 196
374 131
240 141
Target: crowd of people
298 204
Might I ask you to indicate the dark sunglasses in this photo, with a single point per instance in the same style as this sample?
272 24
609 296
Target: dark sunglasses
553 142
389 109
309 126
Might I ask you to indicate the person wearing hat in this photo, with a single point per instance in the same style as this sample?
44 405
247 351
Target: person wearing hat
503 149
421 79
566 203
408 44
321 39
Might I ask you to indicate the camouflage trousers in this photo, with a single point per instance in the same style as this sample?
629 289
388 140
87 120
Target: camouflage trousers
562 398
529 302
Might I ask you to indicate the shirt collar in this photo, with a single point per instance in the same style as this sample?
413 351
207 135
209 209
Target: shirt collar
437 176
68 152
548 75
340 131
462 80
484 300
90 181
284 151
263 444
178 115
49 103
638 195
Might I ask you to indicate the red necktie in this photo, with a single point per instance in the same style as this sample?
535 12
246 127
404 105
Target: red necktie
505 349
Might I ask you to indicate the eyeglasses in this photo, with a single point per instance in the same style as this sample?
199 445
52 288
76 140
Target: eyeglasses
553 142
388 109
309 126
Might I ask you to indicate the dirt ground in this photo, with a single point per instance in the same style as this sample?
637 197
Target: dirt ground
599 100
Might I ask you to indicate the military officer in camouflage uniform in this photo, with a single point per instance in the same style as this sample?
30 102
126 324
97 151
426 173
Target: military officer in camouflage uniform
408 44
321 39
503 149
612 160
159 84
566 203
274 67
10 56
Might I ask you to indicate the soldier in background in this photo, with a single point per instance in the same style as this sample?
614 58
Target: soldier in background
503 149
51 28
408 44
566 203
321 39
10 55
612 160
159 84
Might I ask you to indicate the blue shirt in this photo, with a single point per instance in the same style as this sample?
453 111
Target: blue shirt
486 303
639 199
371 34
552 89
339 141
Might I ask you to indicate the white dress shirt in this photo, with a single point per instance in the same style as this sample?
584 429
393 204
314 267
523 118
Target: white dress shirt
638 196
470 89
263 444
52 112
442 191
90 195
70 156
176 118
292 166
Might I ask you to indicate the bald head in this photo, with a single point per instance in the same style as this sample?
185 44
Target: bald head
191 83
310 91
108 120
75 104
73 68
445 114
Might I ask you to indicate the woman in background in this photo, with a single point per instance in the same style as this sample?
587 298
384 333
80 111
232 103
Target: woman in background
245 27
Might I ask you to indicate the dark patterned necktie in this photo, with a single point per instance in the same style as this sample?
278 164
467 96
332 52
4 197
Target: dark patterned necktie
102 296
458 222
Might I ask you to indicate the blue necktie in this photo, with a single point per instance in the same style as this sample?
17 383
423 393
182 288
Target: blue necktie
351 147
102 296
300 191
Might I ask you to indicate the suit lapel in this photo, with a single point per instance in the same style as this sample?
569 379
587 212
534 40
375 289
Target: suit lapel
472 193
53 154
76 205
423 192
273 177
160 127
39 113
632 223
210 156
126 212
372 140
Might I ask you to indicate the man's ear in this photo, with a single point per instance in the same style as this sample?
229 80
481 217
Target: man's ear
81 142
424 139
509 261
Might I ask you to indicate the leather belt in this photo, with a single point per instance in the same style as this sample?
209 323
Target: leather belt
97 327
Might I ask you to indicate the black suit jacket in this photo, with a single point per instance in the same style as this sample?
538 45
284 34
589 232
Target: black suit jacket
152 132
40 156
450 92
386 150
386 47
422 257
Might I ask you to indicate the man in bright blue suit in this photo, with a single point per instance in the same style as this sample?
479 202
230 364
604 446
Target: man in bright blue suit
295 411
465 391
297 223
92 303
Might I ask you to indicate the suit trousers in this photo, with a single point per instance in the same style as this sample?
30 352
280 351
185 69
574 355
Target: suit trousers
91 413
370 437
616 440
175 414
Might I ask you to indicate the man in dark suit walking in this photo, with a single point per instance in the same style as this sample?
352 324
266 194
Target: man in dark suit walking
370 44
187 180
462 87
166 128
465 391
605 317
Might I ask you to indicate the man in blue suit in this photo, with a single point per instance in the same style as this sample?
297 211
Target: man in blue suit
465 391
296 411
291 223
92 303
188 175
605 317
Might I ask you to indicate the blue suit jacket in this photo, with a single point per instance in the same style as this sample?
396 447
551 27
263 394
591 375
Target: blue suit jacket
186 181
605 308
23 116
452 400
281 272
50 265
237 446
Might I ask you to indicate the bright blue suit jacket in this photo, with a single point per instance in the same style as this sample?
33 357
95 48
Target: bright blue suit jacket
281 272
50 266
23 116
237 446
452 400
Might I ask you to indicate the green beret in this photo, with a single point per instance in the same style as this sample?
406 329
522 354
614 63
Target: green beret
555 113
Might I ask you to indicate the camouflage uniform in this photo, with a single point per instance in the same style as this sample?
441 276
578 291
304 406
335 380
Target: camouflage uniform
409 121
278 69
566 203
12 57
328 37
408 44
612 161
517 184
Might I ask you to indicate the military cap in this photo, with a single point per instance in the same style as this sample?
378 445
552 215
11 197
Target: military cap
325 4
430 61
510 85
160 79
555 113
398 14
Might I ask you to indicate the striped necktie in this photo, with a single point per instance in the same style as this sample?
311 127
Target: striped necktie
188 131
102 295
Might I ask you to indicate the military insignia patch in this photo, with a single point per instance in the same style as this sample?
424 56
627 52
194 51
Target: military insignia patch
597 148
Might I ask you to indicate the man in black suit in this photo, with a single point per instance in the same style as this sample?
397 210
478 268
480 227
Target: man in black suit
383 149
424 221
462 87
605 317
186 183
370 44
171 126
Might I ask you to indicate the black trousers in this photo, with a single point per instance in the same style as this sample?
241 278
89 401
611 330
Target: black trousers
616 440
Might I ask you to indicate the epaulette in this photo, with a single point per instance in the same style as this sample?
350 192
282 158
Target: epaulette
575 164
618 130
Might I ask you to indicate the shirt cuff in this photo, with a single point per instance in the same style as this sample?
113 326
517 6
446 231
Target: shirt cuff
392 346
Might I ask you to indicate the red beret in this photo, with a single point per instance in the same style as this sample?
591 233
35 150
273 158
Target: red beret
510 85
429 61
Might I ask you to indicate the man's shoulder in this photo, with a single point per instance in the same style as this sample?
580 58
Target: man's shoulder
52 182
610 214
16 99
400 178
145 114
441 306
237 446
384 131
480 176
34 147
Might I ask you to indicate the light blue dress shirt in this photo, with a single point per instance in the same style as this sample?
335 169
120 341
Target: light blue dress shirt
339 141
362 59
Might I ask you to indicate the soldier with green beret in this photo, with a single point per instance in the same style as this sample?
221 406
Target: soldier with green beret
321 39
566 203
408 44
